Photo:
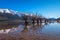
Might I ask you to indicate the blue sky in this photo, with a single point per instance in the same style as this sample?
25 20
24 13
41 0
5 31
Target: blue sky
47 8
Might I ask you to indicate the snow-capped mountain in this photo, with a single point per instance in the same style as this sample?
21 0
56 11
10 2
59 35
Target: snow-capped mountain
13 12
5 10
8 11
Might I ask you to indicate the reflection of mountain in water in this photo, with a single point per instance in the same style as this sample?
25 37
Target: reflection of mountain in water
20 27
7 26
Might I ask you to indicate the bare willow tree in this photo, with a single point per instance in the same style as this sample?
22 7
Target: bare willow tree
33 19
25 22
46 20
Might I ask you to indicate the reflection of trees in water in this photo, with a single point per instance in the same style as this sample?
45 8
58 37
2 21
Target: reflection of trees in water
25 27
37 28
46 23
34 26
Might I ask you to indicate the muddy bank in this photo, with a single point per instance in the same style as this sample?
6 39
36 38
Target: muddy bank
27 36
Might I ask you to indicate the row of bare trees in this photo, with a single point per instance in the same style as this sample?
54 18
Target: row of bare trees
33 19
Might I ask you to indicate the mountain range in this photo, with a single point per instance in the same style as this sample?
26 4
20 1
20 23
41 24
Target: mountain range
6 14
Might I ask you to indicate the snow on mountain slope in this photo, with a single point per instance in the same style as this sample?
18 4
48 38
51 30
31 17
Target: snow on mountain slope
5 10
13 12
8 11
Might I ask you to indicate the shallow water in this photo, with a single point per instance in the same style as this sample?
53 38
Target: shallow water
49 31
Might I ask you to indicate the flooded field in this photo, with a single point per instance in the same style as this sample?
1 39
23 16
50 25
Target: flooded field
35 31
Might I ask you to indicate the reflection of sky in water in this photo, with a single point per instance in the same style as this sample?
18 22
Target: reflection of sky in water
13 29
18 29
7 30
52 29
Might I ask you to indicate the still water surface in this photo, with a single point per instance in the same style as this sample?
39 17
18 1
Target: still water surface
52 29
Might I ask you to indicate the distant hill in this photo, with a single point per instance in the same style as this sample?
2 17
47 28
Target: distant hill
6 14
52 19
